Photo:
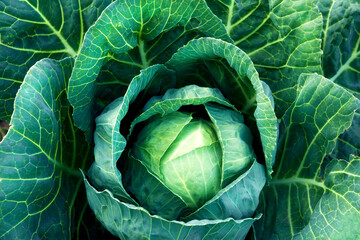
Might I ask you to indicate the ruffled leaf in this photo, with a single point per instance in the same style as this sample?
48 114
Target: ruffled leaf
109 143
337 214
40 157
33 30
341 61
281 37
127 221
321 112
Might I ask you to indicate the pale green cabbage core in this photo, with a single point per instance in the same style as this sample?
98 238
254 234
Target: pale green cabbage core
190 166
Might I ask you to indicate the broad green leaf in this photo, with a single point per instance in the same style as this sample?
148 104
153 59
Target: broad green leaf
281 37
31 30
235 139
337 214
132 36
39 158
109 143
104 171
238 200
341 60
321 112
151 193
127 221
341 42
91 10
235 75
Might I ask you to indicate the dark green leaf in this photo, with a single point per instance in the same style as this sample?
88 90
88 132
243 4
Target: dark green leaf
321 112
39 158
341 42
109 143
349 142
337 214
282 38
341 60
31 30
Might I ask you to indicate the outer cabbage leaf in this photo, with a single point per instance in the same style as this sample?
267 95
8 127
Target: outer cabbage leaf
282 38
233 72
235 140
130 222
238 200
31 30
39 158
150 192
341 60
341 42
109 143
132 36
321 112
337 214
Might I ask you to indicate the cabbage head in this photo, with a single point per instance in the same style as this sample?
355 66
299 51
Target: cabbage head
173 159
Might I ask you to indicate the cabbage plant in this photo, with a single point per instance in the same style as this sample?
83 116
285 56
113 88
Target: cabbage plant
186 153
176 119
